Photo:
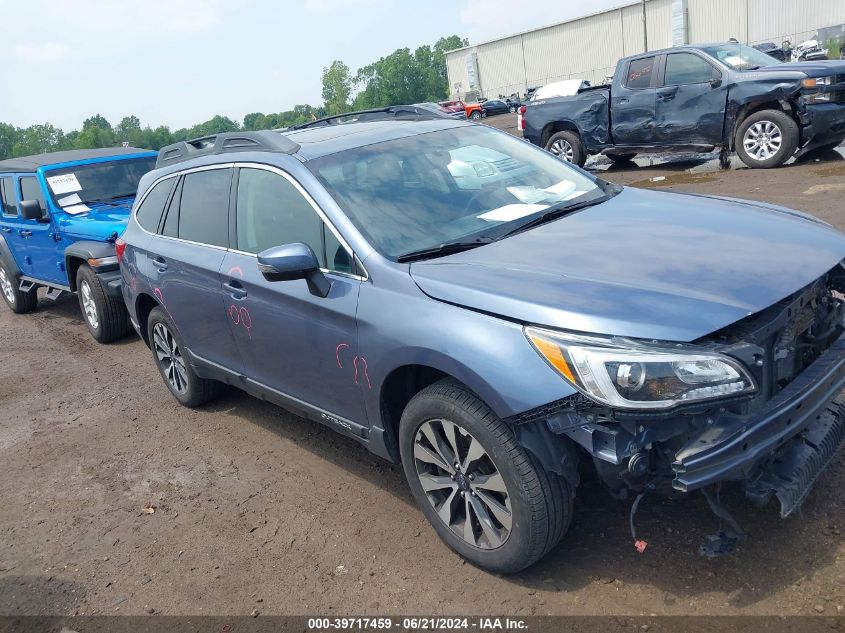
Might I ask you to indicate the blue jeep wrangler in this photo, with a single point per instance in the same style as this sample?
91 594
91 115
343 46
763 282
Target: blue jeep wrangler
61 214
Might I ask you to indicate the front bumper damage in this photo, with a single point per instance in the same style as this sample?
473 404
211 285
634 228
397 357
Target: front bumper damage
774 444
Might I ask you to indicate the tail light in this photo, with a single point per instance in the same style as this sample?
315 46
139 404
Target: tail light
119 248
520 122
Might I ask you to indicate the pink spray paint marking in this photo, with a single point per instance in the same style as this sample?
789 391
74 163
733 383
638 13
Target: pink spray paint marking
337 353
363 370
246 320
157 292
236 270
234 314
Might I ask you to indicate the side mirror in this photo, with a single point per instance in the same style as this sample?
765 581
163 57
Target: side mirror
31 210
715 82
294 261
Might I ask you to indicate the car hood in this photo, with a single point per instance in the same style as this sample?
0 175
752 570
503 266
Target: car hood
821 68
643 264
99 223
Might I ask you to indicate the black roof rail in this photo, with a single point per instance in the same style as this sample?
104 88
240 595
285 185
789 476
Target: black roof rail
375 114
224 143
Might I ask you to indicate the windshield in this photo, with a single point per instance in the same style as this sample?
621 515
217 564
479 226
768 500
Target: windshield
740 56
74 187
422 191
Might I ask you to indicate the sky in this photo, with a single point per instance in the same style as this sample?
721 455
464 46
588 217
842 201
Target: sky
180 62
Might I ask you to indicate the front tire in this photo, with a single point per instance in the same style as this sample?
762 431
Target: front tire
475 115
105 315
567 145
173 364
483 493
766 139
18 302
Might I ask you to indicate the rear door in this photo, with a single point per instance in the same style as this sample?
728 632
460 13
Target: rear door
299 344
11 224
186 258
632 103
690 106
41 245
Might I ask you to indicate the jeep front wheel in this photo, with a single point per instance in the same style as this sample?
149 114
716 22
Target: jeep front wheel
483 493
19 302
105 315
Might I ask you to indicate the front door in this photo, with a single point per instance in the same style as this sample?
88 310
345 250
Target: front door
632 103
691 103
41 246
301 345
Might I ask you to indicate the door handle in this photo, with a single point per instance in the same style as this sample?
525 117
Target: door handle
623 100
25 233
235 289
5 229
667 94
160 264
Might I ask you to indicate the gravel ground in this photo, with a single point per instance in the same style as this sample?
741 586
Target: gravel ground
257 509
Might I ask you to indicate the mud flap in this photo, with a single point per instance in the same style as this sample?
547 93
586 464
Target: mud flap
791 471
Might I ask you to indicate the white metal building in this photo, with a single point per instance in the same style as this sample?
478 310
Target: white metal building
589 47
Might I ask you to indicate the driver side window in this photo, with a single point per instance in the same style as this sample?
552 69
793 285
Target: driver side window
271 211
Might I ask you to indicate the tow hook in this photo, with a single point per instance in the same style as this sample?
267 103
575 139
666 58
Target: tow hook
722 542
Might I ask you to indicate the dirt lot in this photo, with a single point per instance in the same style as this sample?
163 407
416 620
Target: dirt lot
259 509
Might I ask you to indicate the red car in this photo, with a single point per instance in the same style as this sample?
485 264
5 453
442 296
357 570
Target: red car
452 106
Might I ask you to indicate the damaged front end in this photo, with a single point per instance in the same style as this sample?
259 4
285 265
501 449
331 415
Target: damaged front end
756 403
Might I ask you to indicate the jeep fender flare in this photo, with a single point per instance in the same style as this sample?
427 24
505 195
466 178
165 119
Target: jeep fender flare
7 257
79 253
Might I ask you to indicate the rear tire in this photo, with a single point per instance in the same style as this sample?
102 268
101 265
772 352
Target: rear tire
105 315
18 302
766 139
173 364
567 146
516 510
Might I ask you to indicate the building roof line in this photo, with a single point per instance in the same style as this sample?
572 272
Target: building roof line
541 28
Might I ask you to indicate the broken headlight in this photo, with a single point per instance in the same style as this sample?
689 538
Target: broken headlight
629 375
819 84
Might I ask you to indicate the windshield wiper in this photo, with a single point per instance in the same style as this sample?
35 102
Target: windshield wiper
447 248
553 213
108 199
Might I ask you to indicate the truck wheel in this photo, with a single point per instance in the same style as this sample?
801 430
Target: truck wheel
567 145
19 302
169 356
105 316
766 139
486 497
475 115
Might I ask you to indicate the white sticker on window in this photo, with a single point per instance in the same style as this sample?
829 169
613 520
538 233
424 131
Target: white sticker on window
76 209
511 212
69 200
66 183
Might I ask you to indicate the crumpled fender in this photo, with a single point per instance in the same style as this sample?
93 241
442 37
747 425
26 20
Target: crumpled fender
755 89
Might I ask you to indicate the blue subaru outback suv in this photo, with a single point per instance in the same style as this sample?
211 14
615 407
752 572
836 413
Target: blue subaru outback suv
495 319
61 214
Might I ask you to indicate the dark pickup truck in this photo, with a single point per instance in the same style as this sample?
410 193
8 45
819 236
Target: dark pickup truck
694 99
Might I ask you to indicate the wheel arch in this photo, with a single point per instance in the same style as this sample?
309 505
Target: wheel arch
79 253
7 257
747 109
554 127
144 304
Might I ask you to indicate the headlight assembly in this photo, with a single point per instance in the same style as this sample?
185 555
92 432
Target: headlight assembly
818 83
634 376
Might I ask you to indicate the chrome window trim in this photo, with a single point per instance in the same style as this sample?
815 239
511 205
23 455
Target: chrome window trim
271 168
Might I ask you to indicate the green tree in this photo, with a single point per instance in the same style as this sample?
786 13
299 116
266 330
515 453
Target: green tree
96 132
128 130
37 139
9 136
337 87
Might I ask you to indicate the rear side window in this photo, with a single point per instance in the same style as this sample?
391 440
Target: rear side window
7 196
149 213
686 68
171 222
31 190
639 73
272 212
204 207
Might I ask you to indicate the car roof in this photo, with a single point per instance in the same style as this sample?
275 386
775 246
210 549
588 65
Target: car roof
329 139
683 47
32 163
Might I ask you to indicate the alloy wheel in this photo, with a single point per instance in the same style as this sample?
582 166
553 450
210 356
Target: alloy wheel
562 149
88 305
170 358
463 484
6 286
762 140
